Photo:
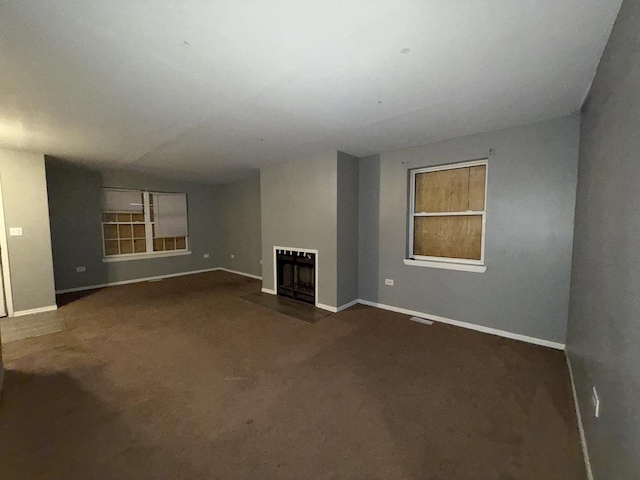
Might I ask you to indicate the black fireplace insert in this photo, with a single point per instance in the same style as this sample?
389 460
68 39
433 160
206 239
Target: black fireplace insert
296 275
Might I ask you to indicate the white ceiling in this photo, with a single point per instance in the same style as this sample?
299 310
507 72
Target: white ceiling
208 90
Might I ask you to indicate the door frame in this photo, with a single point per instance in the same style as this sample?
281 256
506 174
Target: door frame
4 250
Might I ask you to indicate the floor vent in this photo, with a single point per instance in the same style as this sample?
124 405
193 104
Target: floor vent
421 320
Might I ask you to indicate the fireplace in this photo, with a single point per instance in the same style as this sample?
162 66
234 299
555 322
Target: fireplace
296 275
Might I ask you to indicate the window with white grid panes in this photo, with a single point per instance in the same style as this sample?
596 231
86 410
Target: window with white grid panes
133 232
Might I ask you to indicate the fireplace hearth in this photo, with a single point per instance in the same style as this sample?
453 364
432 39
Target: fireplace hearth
296 275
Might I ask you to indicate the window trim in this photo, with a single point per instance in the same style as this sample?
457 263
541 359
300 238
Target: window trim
150 253
447 262
124 257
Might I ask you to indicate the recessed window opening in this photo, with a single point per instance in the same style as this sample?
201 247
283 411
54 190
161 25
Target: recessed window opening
448 213
136 222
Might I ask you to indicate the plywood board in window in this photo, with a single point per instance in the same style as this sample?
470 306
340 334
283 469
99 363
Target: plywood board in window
181 243
458 236
140 245
125 231
158 244
477 178
170 243
137 217
111 247
138 231
124 217
109 217
110 231
442 191
126 246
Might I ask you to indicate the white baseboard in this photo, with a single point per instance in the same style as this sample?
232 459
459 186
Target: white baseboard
136 280
31 311
347 305
583 438
268 290
328 308
250 275
471 326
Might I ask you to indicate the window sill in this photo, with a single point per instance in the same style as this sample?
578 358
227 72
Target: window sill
463 267
144 256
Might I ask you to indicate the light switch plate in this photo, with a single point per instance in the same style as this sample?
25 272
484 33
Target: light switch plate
81 269
388 281
15 231
206 255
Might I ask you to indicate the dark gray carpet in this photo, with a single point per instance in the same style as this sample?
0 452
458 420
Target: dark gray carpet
182 379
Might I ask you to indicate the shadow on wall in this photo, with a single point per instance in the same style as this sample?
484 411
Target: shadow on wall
369 228
74 212
51 428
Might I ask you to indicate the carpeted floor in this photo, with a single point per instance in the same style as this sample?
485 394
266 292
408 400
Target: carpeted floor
181 379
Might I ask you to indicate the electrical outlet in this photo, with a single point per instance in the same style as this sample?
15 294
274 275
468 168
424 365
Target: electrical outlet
233 256
206 255
595 399
260 261
388 281
81 269
15 232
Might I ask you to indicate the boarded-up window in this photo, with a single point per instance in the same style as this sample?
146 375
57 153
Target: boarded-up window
448 212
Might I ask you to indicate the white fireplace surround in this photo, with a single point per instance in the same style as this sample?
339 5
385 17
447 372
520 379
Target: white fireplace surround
315 268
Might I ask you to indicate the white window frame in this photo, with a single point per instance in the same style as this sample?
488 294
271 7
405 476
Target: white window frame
446 262
148 229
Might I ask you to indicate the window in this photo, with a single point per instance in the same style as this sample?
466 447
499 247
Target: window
447 214
139 224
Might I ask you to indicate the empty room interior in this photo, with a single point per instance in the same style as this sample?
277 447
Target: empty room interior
324 240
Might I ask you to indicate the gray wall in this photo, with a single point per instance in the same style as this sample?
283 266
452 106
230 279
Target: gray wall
369 228
530 210
604 318
299 209
240 206
74 201
347 204
24 194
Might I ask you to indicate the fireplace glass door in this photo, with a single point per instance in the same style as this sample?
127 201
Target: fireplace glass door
296 275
